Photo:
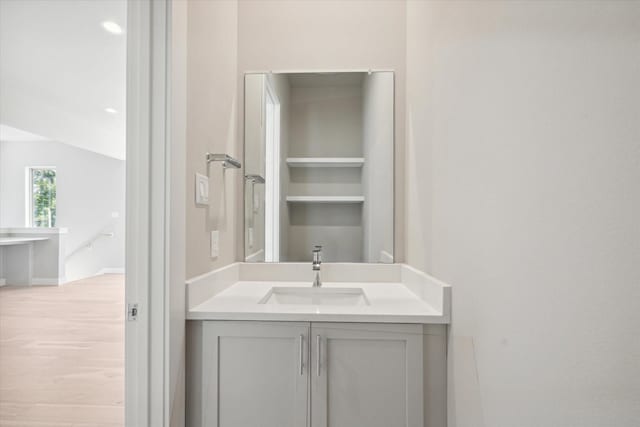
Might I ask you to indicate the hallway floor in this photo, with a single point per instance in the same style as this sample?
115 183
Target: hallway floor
62 354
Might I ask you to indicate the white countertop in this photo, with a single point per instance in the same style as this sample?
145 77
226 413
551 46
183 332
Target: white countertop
8 241
33 230
388 303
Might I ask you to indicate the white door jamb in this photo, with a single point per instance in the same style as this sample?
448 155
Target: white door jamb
146 343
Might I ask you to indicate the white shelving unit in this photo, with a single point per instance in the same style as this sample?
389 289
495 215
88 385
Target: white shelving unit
325 162
325 199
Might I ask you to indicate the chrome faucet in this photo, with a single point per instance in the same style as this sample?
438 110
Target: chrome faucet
317 260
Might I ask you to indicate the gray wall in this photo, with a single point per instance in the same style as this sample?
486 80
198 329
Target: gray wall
254 164
523 124
212 126
328 35
377 172
521 179
283 91
90 187
227 39
326 121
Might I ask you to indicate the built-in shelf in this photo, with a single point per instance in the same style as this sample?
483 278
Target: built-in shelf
325 199
325 162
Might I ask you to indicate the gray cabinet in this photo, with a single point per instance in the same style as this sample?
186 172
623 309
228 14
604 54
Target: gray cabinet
366 375
288 374
248 374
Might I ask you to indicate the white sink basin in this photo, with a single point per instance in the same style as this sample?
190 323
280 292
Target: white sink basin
315 296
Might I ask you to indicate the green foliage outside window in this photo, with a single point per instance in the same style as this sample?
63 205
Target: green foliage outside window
43 183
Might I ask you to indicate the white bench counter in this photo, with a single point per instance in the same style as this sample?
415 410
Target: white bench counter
32 256
8 241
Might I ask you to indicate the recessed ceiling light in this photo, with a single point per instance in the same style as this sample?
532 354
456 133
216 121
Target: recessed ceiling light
112 27
110 110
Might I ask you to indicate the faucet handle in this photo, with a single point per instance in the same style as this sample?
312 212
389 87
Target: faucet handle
317 260
317 256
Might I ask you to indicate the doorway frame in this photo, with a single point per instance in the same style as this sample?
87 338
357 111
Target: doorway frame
148 260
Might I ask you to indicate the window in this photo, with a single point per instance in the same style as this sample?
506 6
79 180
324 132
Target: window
42 197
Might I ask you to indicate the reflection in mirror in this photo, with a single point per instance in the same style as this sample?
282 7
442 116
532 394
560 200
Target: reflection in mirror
319 166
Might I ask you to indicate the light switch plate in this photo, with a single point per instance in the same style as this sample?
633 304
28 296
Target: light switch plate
250 237
215 244
202 189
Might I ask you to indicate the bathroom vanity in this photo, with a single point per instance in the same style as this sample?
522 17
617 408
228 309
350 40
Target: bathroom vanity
283 340
368 348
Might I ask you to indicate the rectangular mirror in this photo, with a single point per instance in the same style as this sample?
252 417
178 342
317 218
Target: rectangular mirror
319 166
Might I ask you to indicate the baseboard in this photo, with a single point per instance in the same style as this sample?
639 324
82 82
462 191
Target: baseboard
55 281
3 282
114 270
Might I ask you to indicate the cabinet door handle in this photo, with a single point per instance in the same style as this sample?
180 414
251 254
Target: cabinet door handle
301 354
318 342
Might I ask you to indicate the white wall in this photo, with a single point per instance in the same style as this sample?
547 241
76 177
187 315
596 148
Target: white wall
90 187
329 35
377 171
523 123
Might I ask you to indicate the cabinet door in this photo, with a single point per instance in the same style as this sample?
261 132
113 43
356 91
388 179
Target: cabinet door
256 374
366 375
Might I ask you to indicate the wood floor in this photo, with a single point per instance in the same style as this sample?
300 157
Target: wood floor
62 354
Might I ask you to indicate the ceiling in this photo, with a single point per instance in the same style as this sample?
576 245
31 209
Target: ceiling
7 133
59 71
